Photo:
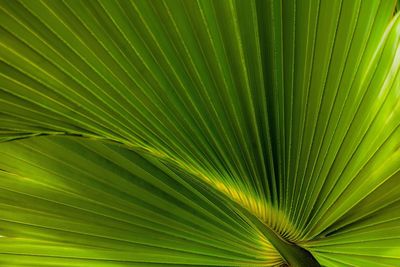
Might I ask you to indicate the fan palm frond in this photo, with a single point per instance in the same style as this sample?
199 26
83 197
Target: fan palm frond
199 132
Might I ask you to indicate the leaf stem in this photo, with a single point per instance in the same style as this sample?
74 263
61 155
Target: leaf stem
293 254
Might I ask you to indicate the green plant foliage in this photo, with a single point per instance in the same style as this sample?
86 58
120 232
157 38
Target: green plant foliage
199 133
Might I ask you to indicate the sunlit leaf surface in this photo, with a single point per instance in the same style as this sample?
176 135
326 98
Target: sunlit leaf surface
200 133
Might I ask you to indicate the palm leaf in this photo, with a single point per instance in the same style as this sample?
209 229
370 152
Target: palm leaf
221 133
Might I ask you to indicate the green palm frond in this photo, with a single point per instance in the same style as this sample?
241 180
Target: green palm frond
199 132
